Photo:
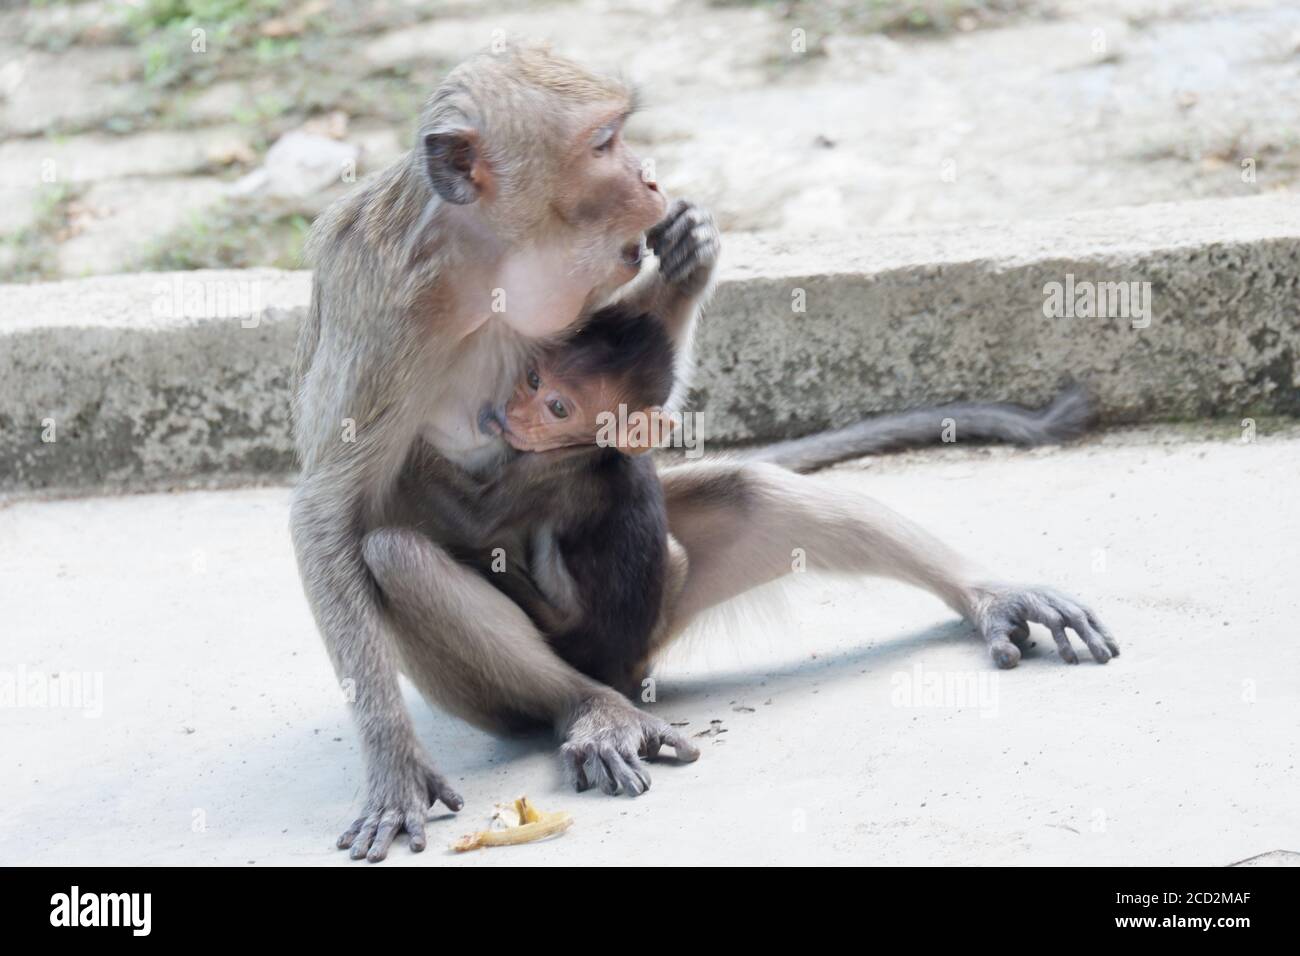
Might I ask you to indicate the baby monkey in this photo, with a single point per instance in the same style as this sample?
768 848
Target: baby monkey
581 501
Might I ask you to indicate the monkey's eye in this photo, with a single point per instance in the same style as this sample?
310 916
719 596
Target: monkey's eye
605 139
534 380
557 408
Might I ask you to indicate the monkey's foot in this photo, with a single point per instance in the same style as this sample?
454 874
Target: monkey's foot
1003 613
606 740
400 800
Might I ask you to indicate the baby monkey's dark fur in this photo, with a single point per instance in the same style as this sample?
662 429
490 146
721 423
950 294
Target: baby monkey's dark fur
593 522
589 525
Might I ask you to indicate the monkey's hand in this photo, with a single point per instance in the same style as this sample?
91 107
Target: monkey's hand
606 739
1004 612
401 794
687 243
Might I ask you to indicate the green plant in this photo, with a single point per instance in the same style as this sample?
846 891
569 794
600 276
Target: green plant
28 254
231 237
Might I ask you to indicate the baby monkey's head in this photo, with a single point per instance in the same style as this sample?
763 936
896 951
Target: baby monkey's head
619 357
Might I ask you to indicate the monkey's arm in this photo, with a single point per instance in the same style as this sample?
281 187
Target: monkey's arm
454 508
354 364
402 781
534 485
442 499
451 507
686 244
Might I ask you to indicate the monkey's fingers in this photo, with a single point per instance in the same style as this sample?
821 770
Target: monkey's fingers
371 836
1077 618
686 751
362 836
605 766
626 767
1057 612
390 824
440 789
689 244
1004 653
349 835
616 770
1056 625
655 232
1111 644
574 758
414 824
598 771
677 230
688 258
1020 637
1005 613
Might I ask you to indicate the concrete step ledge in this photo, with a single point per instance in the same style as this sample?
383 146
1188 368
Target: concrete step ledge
170 379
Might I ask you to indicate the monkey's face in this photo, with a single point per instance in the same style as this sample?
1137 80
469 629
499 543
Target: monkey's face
557 176
604 192
550 412
545 412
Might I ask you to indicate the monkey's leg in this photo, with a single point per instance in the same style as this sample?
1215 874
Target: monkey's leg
676 574
744 525
402 782
472 650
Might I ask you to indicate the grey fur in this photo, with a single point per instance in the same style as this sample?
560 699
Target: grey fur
1065 418
389 351
397 344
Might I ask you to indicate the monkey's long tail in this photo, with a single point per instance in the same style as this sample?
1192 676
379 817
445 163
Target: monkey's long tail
1065 418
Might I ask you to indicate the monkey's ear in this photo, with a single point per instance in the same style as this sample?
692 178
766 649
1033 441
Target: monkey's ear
455 164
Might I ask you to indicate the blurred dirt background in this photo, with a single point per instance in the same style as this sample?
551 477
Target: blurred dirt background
178 134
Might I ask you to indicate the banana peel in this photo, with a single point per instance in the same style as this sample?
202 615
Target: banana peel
520 822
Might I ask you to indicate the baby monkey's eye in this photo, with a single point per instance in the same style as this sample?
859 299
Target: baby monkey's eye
557 408
534 380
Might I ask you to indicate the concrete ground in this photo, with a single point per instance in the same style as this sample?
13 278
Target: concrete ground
863 725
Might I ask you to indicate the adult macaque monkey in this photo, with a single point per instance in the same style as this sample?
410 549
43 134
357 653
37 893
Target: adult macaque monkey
519 210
